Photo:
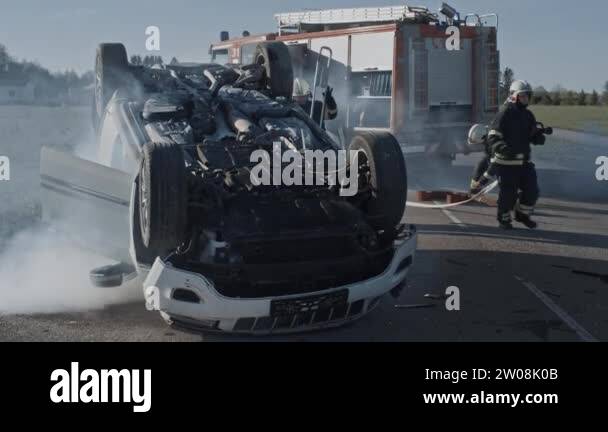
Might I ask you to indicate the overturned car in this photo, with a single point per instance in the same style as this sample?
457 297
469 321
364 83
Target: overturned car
171 196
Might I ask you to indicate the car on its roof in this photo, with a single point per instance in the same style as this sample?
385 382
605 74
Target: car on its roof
171 197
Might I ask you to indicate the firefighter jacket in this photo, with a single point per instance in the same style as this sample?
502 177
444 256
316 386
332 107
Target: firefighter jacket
511 133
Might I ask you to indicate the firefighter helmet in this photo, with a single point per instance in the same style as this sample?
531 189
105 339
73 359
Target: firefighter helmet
520 86
478 134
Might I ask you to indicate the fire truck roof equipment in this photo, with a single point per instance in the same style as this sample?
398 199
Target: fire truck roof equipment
297 21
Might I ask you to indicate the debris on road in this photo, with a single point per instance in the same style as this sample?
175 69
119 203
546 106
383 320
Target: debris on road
415 306
435 296
458 263
602 277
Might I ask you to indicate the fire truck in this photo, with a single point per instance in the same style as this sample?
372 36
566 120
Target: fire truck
425 77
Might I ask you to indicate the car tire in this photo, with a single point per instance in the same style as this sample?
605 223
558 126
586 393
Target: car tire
386 173
111 72
275 58
162 194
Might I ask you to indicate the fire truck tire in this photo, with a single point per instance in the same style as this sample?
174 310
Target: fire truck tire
275 58
381 158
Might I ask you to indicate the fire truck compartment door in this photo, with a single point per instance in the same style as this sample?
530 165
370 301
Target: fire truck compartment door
450 73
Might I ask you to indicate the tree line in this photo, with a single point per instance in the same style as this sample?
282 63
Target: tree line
10 68
557 95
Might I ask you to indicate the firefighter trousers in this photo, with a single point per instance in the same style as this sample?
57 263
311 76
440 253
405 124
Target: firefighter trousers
518 190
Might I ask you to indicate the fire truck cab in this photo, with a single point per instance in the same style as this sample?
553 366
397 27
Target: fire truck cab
394 68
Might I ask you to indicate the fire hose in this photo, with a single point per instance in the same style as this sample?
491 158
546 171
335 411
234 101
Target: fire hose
541 129
484 191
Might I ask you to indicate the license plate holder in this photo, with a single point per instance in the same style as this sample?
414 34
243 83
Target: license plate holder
308 304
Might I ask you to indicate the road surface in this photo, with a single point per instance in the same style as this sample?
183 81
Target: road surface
550 284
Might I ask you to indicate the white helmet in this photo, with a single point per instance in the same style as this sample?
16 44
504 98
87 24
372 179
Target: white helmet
520 86
478 134
300 87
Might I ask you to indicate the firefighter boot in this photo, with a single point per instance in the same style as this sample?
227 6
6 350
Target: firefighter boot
504 221
522 215
525 219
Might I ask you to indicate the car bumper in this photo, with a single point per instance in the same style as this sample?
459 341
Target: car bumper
242 315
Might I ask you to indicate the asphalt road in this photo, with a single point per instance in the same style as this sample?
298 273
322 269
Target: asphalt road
550 284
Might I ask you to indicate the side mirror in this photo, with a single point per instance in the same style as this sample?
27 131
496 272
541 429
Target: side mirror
111 276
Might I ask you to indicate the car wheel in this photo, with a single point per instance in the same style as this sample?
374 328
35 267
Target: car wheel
111 72
162 198
382 166
275 58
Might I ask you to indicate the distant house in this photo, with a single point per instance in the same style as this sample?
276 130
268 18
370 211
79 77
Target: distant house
16 91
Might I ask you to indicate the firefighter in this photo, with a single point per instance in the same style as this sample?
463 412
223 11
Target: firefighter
302 95
509 139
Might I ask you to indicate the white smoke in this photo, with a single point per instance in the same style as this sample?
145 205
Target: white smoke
40 270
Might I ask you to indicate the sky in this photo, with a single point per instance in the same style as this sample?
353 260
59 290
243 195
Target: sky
542 41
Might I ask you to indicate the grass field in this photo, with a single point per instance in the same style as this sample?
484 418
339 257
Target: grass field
592 119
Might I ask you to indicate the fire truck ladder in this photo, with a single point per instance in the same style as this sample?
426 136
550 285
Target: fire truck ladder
294 20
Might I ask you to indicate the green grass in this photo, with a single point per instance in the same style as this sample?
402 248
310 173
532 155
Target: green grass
593 119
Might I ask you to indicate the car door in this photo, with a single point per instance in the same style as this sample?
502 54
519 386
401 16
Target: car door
87 201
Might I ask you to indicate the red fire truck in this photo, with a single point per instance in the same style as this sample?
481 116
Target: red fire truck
426 77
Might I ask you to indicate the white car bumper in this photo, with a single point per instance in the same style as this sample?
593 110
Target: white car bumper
214 311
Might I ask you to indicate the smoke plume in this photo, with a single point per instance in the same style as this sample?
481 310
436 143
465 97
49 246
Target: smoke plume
40 270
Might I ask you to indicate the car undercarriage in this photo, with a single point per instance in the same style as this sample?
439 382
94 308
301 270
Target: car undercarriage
196 208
